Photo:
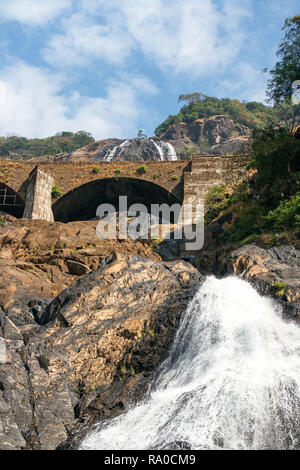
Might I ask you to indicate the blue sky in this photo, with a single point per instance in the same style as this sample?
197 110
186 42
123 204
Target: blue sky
113 67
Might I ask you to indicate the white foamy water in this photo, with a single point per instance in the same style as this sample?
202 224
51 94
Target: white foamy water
165 150
231 380
111 153
159 149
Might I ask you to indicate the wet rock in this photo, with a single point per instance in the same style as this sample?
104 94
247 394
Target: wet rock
274 271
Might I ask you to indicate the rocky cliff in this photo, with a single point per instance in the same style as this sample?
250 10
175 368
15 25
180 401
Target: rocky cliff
139 149
218 135
84 325
90 352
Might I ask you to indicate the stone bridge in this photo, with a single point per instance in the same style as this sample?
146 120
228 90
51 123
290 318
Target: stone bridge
85 185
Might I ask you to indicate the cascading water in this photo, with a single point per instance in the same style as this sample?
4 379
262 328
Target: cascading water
231 380
112 152
163 150
159 149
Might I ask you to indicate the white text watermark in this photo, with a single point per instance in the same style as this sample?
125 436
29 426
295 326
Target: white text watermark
176 222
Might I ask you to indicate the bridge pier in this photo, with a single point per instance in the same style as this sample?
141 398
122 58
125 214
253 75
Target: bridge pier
206 172
38 202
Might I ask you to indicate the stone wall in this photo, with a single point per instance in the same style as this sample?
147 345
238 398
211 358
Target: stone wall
38 202
209 171
188 181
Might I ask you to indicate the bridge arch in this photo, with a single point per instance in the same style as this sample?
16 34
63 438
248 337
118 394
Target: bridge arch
10 201
81 203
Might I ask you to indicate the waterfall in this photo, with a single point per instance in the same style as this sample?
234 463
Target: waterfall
231 379
112 152
170 151
159 149
166 151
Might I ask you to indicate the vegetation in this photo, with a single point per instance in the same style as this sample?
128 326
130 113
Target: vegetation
141 134
287 69
142 169
2 221
275 156
266 207
286 216
56 192
15 146
279 288
96 169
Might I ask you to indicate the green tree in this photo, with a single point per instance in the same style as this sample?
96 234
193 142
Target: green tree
287 69
141 134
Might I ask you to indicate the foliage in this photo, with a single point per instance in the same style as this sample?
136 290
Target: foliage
275 155
118 172
219 199
201 106
141 134
2 221
215 202
96 169
141 169
56 192
29 148
287 69
286 215
279 288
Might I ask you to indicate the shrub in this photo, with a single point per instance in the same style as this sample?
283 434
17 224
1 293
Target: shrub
215 202
155 176
286 215
118 172
96 169
142 169
56 192
174 177
2 221
279 288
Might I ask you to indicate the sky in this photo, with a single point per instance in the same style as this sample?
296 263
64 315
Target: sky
112 67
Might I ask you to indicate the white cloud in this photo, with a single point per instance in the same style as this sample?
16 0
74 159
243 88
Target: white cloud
84 40
192 37
34 106
249 84
33 12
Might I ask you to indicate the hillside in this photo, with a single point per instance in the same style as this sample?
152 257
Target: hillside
17 147
199 106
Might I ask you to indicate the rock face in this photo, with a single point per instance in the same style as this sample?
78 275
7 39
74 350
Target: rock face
140 149
91 351
38 259
220 134
274 271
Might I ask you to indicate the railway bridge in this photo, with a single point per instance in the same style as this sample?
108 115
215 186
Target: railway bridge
25 188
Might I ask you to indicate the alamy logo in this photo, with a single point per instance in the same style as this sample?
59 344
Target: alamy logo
2 352
177 222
